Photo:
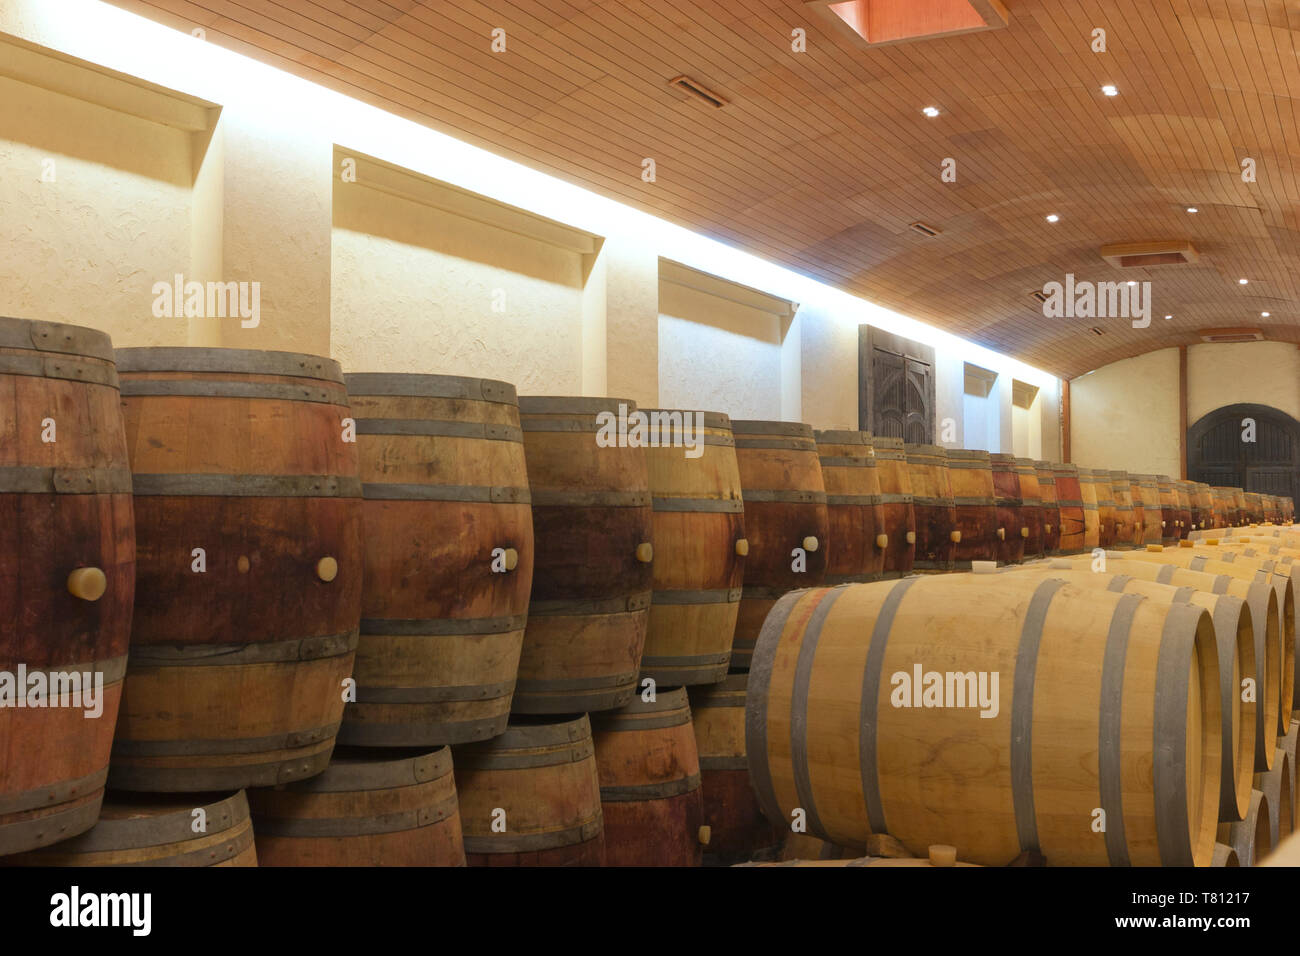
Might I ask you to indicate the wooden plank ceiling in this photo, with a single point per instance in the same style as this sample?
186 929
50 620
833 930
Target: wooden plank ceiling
822 159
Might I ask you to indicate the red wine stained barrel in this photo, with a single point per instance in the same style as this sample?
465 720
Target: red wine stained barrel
936 514
248 597
1031 507
1011 530
853 506
592 577
1051 508
785 520
970 474
1106 513
896 501
650 783
369 808
67 574
1069 499
448 559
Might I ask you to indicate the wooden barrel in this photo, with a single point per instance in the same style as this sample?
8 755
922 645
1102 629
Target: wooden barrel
1106 511
1289 744
853 506
786 521
1254 507
531 797
897 504
448 559
1031 507
1168 510
1126 524
592 579
1012 532
938 855
249 562
137 829
1091 515
1224 855
1251 838
936 513
700 547
1224 507
1276 784
1242 508
1234 634
730 808
369 808
970 474
1138 494
1183 493
801 846
67 575
1051 508
1069 498
1262 600
650 783
1203 511
827 730
1148 488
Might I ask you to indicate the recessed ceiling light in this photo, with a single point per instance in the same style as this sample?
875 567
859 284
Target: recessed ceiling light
931 111
1242 281
1132 282
1263 315
1053 217
1192 209
1168 316
1110 90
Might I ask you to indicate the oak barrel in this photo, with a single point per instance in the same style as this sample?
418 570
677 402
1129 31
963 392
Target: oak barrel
1051 507
1126 532
1169 517
369 808
827 730
1106 512
1069 499
936 513
853 506
1251 838
700 547
1091 514
1012 532
970 474
650 782
592 575
67 575
786 521
531 797
248 596
899 510
1183 489
1031 507
1148 488
448 551
1276 784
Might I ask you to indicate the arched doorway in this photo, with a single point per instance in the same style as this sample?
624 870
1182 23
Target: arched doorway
1218 455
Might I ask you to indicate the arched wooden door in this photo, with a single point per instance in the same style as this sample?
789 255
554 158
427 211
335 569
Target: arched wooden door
1217 452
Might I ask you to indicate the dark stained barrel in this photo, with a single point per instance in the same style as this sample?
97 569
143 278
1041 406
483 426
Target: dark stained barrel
1125 517
1255 504
1091 514
1069 499
785 512
1011 531
1051 508
853 506
592 574
67 574
1203 506
896 499
970 474
1168 510
1106 514
249 562
1184 492
1031 507
448 559
936 517
700 547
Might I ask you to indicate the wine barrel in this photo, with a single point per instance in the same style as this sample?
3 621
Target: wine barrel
136 829
1181 491
899 509
448 559
1254 507
1288 743
1203 512
1276 784
1012 532
1091 514
1234 634
67 575
592 580
733 814
700 547
369 808
785 512
650 783
1168 510
249 561
853 506
1242 507
1152 516
802 847
1031 507
531 797
1224 855
1126 533
826 653
1250 838
939 855
970 474
936 515
1069 498
1224 508
1262 600
1051 508
1106 510
1138 503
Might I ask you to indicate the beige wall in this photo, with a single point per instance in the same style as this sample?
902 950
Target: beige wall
1125 415
1266 373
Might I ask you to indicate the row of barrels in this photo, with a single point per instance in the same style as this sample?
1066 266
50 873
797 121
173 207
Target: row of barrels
632 787
968 709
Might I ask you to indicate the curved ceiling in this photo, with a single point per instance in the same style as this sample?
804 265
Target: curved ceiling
821 159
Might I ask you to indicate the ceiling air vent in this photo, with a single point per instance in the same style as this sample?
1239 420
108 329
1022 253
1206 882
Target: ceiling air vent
1144 255
1038 294
690 87
924 229
1096 330
1231 335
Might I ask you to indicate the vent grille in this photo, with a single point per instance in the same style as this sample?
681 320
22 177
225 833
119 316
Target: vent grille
924 229
1231 335
691 88
1144 255
1038 294
1096 330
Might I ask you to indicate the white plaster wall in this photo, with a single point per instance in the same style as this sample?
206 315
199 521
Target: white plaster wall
412 291
1266 373
1125 415
717 355
829 367
88 247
